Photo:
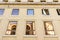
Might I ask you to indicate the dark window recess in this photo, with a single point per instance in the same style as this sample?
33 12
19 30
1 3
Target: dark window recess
45 11
29 28
55 0
1 11
11 30
43 0
15 11
30 11
58 11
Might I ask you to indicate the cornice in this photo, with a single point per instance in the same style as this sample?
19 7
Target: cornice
29 3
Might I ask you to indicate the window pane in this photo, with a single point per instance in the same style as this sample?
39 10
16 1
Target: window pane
58 11
30 28
30 12
1 11
45 11
11 28
48 27
15 12
50 32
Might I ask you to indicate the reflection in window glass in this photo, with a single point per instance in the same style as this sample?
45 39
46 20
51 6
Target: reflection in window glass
11 28
15 12
45 12
48 28
1 11
30 30
30 12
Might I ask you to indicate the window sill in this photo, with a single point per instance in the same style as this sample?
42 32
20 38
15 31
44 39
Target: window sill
45 15
50 35
9 35
30 15
14 15
30 35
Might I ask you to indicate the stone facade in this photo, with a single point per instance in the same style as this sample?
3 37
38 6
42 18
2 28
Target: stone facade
38 17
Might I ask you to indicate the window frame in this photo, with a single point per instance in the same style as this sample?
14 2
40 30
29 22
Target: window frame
46 30
2 11
55 0
30 0
44 10
13 12
33 30
11 28
43 1
58 11
29 13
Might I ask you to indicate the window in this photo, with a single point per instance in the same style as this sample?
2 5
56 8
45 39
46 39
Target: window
30 0
43 0
55 0
5 0
1 11
30 12
15 12
49 30
45 12
18 0
58 11
30 28
11 30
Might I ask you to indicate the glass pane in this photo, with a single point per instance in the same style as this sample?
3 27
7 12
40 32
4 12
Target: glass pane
30 12
8 32
1 11
30 28
49 25
58 11
15 12
45 11
11 28
50 32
